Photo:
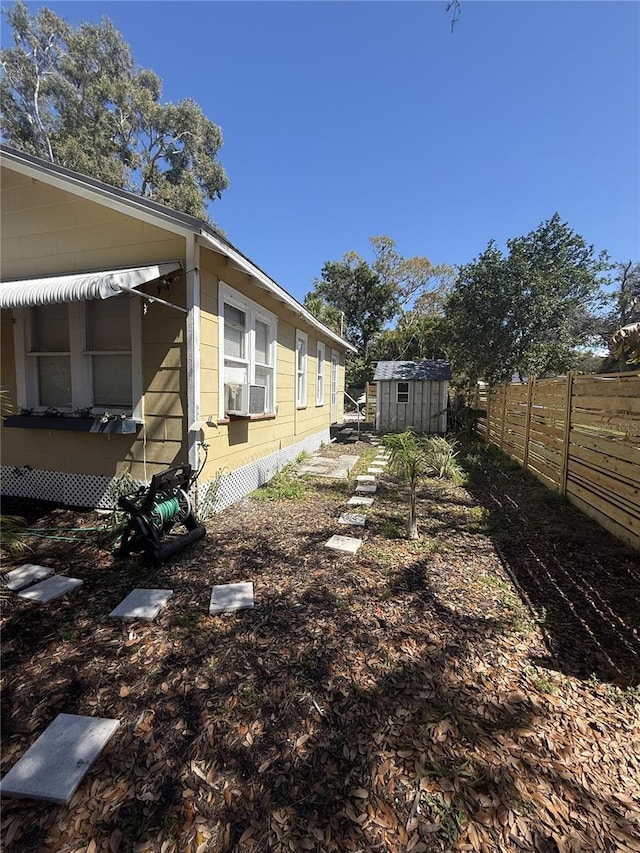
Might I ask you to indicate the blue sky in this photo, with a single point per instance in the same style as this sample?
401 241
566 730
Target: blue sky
344 120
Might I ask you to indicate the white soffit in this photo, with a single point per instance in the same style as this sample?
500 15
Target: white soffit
264 281
79 286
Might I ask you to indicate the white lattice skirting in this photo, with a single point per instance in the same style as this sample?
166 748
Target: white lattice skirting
94 491
218 494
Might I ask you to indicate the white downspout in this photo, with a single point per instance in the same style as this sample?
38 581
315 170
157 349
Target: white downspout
193 352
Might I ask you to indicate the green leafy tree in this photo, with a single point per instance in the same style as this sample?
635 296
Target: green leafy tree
624 299
353 289
423 337
419 285
529 310
323 311
75 96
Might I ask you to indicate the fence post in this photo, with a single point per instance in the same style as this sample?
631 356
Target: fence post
504 414
527 426
567 430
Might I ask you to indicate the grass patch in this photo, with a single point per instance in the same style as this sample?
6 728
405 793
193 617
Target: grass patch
450 816
494 582
624 697
479 518
389 529
283 486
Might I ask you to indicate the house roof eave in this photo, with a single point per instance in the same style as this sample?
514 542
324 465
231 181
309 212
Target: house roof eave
164 217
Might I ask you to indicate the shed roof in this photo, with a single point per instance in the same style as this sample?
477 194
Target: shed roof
431 370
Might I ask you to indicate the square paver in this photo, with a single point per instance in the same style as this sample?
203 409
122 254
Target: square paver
360 500
231 596
375 470
24 575
53 767
365 478
343 543
348 459
51 588
353 518
142 604
366 488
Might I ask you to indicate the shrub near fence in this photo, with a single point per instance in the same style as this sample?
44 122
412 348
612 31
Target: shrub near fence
580 435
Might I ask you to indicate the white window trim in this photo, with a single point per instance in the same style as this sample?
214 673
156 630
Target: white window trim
335 373
408 392
320 373
301 400
253 312
81 391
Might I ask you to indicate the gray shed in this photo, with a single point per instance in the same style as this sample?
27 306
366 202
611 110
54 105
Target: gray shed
412 393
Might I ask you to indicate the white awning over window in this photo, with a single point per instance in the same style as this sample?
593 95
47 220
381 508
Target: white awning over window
80 286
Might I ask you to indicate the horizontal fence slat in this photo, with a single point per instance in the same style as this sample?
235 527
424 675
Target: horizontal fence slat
609 488
611 404
618 530
549 476
629 387
608 423
625 471
608 446
595 457
606 507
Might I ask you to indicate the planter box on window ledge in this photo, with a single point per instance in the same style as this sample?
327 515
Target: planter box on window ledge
72 424
122 426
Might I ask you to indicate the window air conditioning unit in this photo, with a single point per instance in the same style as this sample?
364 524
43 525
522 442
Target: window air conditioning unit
245 400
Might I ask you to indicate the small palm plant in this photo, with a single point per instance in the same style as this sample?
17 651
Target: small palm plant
416 456
407 461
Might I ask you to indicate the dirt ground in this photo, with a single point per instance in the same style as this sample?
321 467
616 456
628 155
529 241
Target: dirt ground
476 689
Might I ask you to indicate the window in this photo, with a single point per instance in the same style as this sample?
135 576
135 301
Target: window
320 375
335 362
301 368
403 392
248 354
81 355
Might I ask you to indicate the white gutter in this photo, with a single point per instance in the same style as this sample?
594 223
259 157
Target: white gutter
193 351
270 285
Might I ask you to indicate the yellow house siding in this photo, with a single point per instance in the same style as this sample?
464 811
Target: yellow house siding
47 231
234 444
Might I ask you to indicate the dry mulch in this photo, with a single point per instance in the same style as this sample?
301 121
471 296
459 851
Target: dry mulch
475 690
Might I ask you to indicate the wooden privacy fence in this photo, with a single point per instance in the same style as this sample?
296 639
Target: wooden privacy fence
371 392
580 435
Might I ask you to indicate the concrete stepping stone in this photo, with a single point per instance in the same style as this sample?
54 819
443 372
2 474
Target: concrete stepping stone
343 543
53 587
366 488
53 767
348 459
231 596
365 478
375 470
360 500
142 604
353 518
24 575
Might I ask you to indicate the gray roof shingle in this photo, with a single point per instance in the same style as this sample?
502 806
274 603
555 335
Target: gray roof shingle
412 370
